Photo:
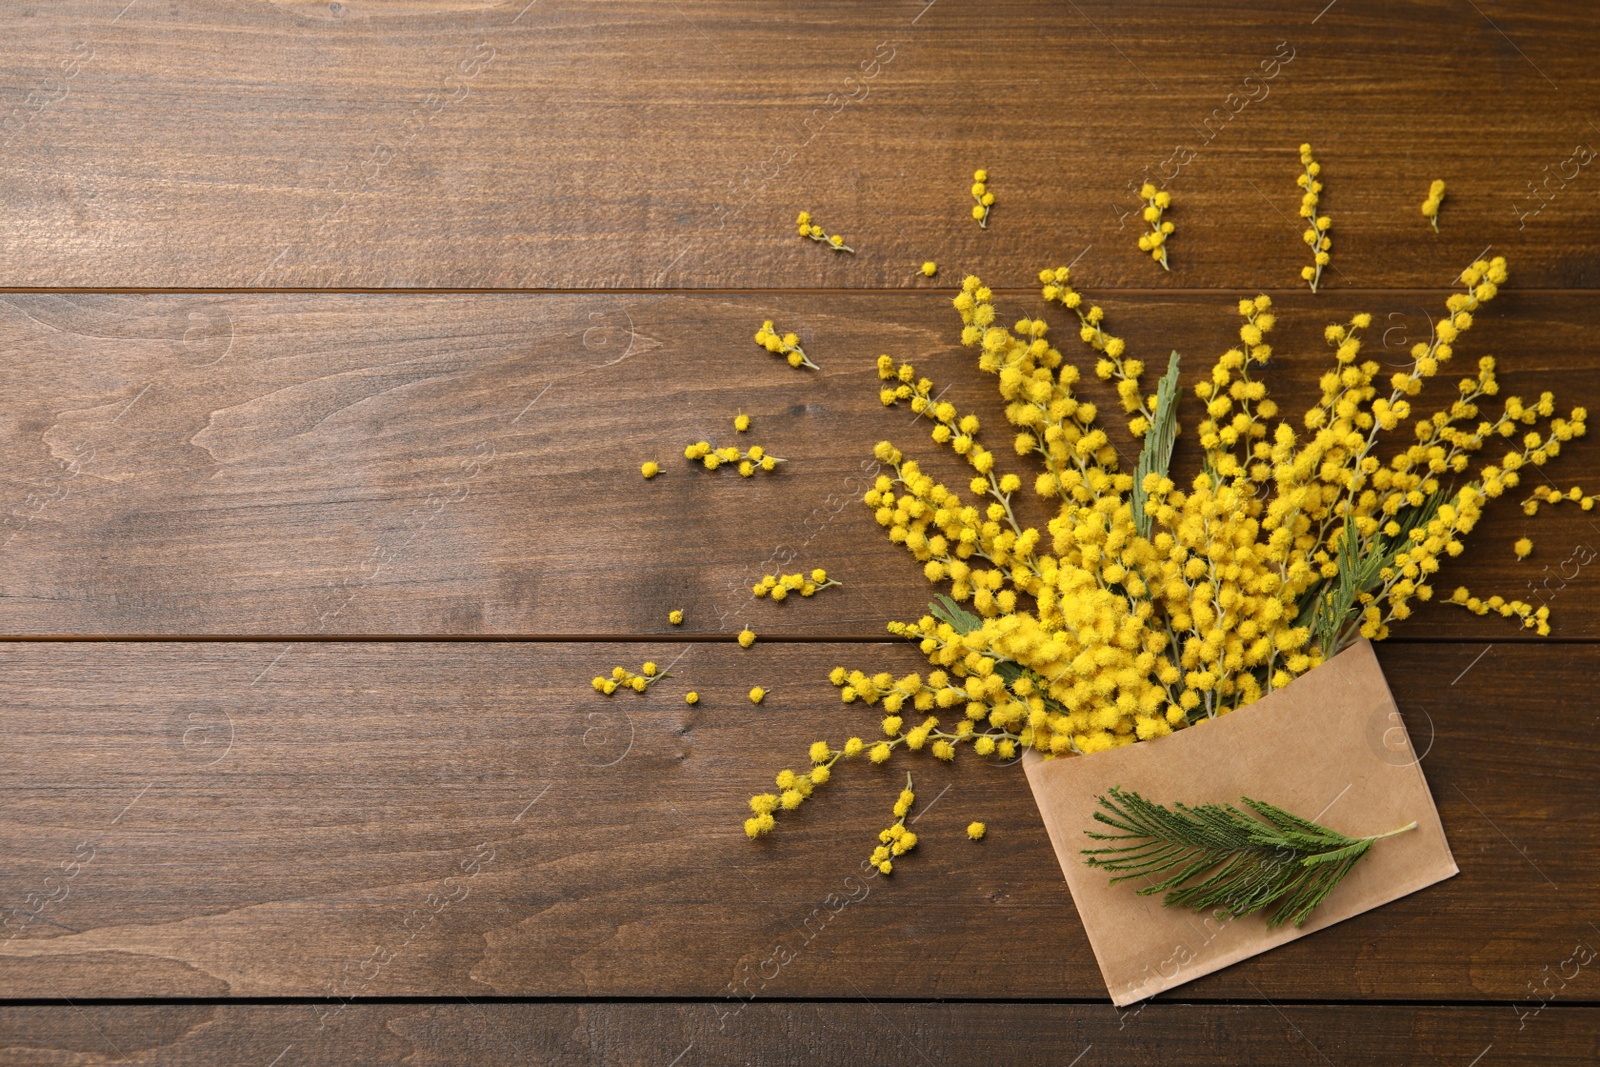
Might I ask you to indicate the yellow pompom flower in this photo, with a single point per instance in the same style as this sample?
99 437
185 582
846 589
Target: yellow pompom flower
1430 206
675 617
741 422
650 468
746 461
757 695
691 697
1154 242
786 345
622 678
779 586
895 839
976 830
929 269
1317 226
1154 600
1523 547
984 201
1223 562
747 637
807 228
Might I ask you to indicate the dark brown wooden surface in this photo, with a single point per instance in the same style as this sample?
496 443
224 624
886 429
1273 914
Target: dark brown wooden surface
222 847
469 464
650 1035
488 143
370 819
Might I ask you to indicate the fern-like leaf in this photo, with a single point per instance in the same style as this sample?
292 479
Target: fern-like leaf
1162 434
1335 606
1214 855
947 610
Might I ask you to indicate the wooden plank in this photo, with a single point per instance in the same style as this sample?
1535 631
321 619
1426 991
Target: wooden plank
492 144
425 819
651 1034
469 464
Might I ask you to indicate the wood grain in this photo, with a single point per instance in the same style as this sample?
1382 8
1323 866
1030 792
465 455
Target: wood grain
321 464
424 819
359 818
651 1034
485 143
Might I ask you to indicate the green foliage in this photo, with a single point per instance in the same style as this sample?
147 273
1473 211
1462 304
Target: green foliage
964 622
1248 864
960 619
1156 456
1366 566
1360 563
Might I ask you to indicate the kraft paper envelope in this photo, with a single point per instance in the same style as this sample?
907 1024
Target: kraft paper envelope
1330 747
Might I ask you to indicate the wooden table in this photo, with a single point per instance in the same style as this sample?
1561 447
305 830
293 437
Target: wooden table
336 334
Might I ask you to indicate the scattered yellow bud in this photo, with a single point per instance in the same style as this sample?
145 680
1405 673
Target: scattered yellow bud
984 198
1155 241
779 586
1316 234
1430 206
786 345
807 228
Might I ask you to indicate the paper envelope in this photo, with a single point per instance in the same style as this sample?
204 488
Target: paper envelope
1330 747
